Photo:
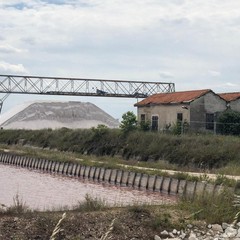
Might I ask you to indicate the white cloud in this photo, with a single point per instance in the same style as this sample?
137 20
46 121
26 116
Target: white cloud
214 73
6 48
166 75
7 68
192 43
229 84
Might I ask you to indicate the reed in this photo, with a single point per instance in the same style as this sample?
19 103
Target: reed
57 228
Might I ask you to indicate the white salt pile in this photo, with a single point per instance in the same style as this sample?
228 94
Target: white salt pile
39 115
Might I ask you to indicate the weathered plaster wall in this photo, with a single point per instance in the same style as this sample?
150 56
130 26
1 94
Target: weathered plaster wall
209 103
235 105
195 114
167 114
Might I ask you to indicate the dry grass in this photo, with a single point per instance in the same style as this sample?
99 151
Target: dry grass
90 204
221 206
17 208
57 228
110 229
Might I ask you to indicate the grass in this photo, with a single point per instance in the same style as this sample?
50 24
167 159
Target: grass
192 152
221 206
231 168
163 221
151 168
57 228
90 204
19 207
139 209
106 235
165 217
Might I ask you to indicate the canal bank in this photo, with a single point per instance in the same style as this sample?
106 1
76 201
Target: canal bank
113 177
132 222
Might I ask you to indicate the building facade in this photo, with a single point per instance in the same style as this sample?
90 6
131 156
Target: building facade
232 99
198 109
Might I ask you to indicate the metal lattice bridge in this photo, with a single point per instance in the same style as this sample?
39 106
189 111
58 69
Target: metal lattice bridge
80 87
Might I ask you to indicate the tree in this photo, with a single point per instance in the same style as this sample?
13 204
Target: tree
229 123
129 122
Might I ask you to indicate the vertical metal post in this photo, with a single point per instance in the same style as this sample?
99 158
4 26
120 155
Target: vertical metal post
1 104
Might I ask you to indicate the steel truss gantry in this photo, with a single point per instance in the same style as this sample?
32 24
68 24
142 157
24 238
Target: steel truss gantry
81 86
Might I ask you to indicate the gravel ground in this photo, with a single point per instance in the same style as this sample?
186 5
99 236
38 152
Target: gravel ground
130 223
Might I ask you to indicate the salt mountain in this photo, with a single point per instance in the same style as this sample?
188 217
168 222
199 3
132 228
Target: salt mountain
39 115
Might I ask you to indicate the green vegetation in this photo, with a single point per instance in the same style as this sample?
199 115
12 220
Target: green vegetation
187 152
145 126
139 209
229 123
163 221
90 204
129 122
18 207
219 205
179 128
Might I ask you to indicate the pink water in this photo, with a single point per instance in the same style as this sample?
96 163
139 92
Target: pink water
44 191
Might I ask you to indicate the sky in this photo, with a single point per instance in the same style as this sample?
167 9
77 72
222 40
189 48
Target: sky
192 43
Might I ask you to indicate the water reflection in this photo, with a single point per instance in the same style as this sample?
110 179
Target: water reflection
47 191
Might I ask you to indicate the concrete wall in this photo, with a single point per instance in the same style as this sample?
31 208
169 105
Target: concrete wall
122 178
209 103
235 105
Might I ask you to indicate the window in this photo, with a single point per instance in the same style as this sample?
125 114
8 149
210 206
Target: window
154 123
143 118
210 121
179 117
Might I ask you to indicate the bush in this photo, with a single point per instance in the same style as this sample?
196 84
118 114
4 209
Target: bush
145 126
179 128
100 130
193 151
229 123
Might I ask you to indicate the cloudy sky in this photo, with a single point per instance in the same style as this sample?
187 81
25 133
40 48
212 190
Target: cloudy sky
193 43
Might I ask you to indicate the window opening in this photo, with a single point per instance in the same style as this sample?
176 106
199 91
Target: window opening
210 121
154 123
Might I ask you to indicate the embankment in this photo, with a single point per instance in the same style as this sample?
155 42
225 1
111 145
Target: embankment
165 185
192 151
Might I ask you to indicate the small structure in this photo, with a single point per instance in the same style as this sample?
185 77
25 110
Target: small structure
197 108
232 99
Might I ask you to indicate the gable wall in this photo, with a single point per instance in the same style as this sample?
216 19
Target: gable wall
235 105
209 103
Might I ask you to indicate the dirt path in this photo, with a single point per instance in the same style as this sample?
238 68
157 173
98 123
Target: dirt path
172 172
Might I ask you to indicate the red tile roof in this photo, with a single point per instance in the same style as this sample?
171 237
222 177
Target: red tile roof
174 97
230 96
